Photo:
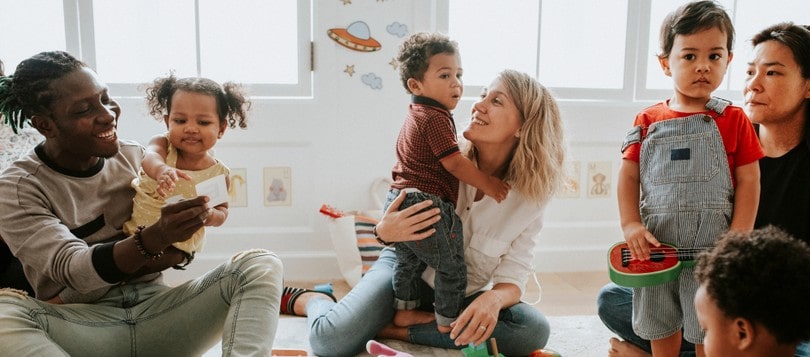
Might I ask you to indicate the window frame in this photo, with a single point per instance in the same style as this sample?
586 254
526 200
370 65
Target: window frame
79 39
635 62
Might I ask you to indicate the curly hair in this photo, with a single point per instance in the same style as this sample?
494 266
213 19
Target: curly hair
415 52
28 91
694 17
232 104
536 167
763 276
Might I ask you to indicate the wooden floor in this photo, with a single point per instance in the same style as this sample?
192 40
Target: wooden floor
563 293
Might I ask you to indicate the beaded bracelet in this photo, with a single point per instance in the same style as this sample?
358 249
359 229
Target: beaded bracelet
139 245
379 240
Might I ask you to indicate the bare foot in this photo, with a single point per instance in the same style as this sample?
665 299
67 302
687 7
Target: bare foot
394 332
405 318
625 349
300 305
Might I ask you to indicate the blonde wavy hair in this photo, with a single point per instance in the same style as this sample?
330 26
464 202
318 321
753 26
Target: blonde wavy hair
537 166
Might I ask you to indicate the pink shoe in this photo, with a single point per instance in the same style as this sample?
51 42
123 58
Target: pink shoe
378 349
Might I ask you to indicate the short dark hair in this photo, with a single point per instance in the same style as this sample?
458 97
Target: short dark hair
797 39
763 276
415 52
692 18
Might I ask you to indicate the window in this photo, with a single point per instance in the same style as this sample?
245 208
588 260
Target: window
590 49
16 16
261 44
576 47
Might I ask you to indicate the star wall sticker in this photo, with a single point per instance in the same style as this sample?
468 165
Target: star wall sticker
349 69
394 63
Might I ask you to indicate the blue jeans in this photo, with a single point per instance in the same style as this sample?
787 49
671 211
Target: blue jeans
615 306
237 302
442 251
343 328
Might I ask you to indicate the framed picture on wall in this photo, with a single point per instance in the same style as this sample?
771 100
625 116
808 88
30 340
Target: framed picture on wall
277 184
237 192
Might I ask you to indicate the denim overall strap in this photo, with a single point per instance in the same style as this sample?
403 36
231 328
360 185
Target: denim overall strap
684 170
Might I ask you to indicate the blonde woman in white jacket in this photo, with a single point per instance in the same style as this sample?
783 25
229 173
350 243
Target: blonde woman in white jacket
515 134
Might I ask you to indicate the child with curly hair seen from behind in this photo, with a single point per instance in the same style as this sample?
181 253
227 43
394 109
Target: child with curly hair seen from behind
429 166
753 294
196 112
689 171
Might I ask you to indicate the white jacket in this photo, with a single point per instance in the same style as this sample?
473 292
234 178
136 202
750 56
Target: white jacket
499 239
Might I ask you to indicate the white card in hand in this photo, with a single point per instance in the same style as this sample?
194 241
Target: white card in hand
215 188
173 199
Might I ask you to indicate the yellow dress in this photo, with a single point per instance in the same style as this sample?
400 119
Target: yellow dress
147 202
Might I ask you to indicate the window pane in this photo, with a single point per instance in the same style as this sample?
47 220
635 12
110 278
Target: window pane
138 40
507 38
571 55
29 27
493 36
249 41
752 17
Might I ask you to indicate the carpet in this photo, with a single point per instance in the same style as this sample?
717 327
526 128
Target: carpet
571 336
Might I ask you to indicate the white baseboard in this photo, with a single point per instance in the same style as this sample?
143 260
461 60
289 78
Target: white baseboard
309 255
323 266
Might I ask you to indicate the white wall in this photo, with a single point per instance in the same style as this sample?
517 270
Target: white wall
339 141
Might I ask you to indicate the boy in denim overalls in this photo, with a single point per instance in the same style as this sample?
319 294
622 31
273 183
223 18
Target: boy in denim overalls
674 184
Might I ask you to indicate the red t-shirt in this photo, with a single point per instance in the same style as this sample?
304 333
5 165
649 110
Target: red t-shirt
739 138
427 136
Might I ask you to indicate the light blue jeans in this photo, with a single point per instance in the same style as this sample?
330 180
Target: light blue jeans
343 328
615 309
237 302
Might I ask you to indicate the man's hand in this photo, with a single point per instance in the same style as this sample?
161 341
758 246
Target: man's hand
177 222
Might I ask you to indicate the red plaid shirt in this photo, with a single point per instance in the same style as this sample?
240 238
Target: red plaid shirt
427 136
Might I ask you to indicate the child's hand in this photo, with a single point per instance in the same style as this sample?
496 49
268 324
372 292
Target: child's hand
166 179
496 189
638 240
216 216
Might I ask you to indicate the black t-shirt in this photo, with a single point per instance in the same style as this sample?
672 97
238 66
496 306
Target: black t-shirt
785 192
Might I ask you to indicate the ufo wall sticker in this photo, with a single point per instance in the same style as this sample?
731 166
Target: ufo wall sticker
355 37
